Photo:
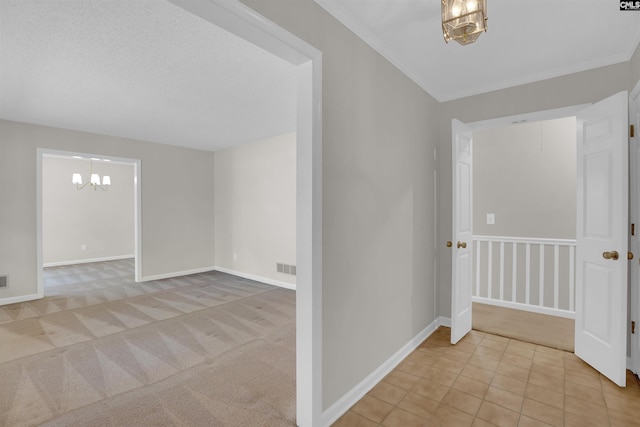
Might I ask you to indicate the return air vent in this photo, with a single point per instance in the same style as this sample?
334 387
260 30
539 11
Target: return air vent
3 281
286 268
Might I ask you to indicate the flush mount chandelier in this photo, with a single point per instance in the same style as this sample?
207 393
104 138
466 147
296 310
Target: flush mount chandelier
463 20
94 180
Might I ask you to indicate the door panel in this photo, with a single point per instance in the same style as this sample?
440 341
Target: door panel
602 220
634 201
462 232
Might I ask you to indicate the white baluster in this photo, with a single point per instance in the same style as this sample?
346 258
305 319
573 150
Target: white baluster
501 271
556 275
514 271
541 289
527 272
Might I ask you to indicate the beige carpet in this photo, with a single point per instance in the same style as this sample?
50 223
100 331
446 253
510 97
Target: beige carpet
550 331
204 350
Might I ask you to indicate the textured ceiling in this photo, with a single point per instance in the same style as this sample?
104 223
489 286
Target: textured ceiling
526 41
143 69
148 70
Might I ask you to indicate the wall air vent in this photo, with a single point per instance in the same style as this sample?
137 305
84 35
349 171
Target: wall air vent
286 269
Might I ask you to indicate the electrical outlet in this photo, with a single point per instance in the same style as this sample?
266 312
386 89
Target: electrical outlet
235 257
491 219
83 247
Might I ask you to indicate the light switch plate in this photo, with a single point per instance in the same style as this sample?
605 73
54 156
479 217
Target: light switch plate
491 219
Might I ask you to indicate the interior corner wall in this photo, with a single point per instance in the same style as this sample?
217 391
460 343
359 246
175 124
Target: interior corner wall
525 175
87 224
379 133
177 203
574 89
255 208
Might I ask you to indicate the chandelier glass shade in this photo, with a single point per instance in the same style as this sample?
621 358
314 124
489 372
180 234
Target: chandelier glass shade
94 180
463 20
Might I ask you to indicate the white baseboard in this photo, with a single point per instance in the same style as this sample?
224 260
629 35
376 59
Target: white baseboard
85 261
340 407
444 321
176 274
526 307
21 298
256 278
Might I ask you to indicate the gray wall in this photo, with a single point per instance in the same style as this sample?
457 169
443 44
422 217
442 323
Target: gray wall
379 132
102 221
635 67
177 207
255 207
575 89
525 174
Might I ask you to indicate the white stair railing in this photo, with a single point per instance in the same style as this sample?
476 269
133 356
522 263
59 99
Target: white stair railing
530 274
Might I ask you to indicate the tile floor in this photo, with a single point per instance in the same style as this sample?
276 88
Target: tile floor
488 380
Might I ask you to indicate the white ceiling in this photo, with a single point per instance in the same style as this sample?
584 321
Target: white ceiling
148 70
526 41
143 69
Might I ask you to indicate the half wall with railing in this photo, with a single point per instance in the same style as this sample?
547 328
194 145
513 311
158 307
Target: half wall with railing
523 273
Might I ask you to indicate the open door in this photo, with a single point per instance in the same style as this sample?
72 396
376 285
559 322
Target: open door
601 236
461 258
634 202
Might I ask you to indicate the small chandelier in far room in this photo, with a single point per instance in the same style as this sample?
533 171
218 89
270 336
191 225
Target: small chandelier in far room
463 20
94 180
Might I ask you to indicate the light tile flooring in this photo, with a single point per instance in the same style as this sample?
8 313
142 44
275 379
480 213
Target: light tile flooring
488 380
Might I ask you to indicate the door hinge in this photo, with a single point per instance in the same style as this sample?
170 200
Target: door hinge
633 327
631 131
633 229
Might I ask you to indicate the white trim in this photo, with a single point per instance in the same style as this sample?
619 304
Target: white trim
535 116
21 298
443 321
137 211
630 365
177 274
86 261
541 241
260 279
526 307
349 399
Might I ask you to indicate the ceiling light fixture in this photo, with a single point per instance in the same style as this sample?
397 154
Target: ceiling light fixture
94 180
463 20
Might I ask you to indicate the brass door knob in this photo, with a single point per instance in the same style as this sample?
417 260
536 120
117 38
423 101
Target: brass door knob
610 255
629 255
449 244
462 245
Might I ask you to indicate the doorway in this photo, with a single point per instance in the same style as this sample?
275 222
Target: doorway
524 230
602 219
68 222
463 216
244 22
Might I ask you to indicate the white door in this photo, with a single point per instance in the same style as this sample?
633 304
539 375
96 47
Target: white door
634 202
602 221
462 233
